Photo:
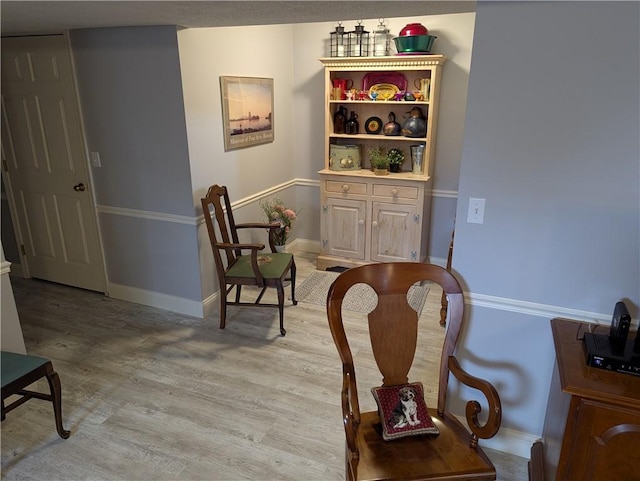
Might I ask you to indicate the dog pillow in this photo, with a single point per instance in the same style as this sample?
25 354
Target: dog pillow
403 411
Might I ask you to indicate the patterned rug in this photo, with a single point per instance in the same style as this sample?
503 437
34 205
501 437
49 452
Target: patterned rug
360 298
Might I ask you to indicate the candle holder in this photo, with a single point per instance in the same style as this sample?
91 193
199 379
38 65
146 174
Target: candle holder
359 41
338 41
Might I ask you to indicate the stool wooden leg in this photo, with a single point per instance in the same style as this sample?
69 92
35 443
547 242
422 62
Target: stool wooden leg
56 400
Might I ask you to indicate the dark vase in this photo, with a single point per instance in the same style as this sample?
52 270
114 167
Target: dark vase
392 127
352 126
394 168
415 125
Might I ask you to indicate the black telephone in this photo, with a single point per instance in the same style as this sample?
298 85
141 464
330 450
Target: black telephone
620 323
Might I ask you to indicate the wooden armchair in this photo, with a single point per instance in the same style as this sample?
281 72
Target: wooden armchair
393 325
235 269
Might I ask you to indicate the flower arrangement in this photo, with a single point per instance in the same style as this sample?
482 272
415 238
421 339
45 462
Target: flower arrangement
396 158
277 211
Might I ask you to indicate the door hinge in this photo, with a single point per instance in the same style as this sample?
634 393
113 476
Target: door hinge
324 209
414 255
416 218
23 250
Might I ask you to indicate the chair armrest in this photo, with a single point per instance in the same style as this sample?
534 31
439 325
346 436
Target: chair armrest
257 225
490 428
224 245
255 248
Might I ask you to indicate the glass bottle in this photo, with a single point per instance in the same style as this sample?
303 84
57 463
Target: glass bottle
352 126
339 120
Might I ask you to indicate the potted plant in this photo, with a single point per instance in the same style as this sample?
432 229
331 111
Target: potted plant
395 158
379 160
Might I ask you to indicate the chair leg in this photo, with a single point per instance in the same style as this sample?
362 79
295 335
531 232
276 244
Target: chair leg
293 283
280 290
56 399
444 302
223 308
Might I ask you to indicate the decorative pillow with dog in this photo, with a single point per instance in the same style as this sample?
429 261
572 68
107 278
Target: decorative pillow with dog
403 411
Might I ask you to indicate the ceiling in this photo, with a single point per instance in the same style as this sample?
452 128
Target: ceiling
32 16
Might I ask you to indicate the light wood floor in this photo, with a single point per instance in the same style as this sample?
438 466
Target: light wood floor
153 395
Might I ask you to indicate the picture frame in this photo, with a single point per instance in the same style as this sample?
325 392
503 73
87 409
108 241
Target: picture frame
247 111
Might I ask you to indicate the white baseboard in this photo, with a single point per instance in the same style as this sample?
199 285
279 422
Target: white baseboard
439 261
210 305
156 299
510 441
304 245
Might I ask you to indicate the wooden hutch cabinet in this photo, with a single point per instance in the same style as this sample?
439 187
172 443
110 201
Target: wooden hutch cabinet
365 217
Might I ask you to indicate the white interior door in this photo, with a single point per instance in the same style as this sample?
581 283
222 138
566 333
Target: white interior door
45 165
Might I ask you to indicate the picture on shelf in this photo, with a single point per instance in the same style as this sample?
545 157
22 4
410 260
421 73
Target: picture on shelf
247 111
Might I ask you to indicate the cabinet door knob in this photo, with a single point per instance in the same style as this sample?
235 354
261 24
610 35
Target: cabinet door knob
394 192
374 223
361 222
345 187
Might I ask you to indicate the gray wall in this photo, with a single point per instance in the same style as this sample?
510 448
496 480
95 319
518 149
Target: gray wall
552 142
131 97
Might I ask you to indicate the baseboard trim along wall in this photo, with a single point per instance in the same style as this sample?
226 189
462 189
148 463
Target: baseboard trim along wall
508 441
167 302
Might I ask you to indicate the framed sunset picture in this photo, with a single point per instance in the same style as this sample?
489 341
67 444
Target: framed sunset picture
247 111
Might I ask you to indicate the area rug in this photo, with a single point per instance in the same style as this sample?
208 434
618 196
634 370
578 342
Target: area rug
360 298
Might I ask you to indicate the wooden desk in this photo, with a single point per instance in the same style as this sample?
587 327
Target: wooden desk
592 425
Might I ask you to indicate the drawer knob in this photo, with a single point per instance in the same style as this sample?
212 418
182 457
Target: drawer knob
374 223
394 192
361 222
345 187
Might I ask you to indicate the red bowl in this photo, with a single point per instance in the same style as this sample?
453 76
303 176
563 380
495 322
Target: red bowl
412 29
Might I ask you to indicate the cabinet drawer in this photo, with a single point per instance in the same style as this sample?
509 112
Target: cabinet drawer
346 187
395 191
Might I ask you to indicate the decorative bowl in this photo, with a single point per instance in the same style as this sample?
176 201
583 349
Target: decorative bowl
412 29
414 43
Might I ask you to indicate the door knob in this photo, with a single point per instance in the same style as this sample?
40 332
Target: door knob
79 187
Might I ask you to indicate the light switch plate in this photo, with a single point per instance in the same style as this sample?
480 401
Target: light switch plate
95 159
475 215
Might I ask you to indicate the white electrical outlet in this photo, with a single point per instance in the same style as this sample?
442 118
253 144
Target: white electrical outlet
95 159
475 215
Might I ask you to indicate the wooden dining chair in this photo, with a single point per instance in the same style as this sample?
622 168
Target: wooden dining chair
19 371
405 439
244 264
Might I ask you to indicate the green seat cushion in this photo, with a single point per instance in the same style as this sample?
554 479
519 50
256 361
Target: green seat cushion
272 265
14 366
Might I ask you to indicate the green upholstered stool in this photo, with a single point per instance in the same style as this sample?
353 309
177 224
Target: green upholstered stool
21 370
